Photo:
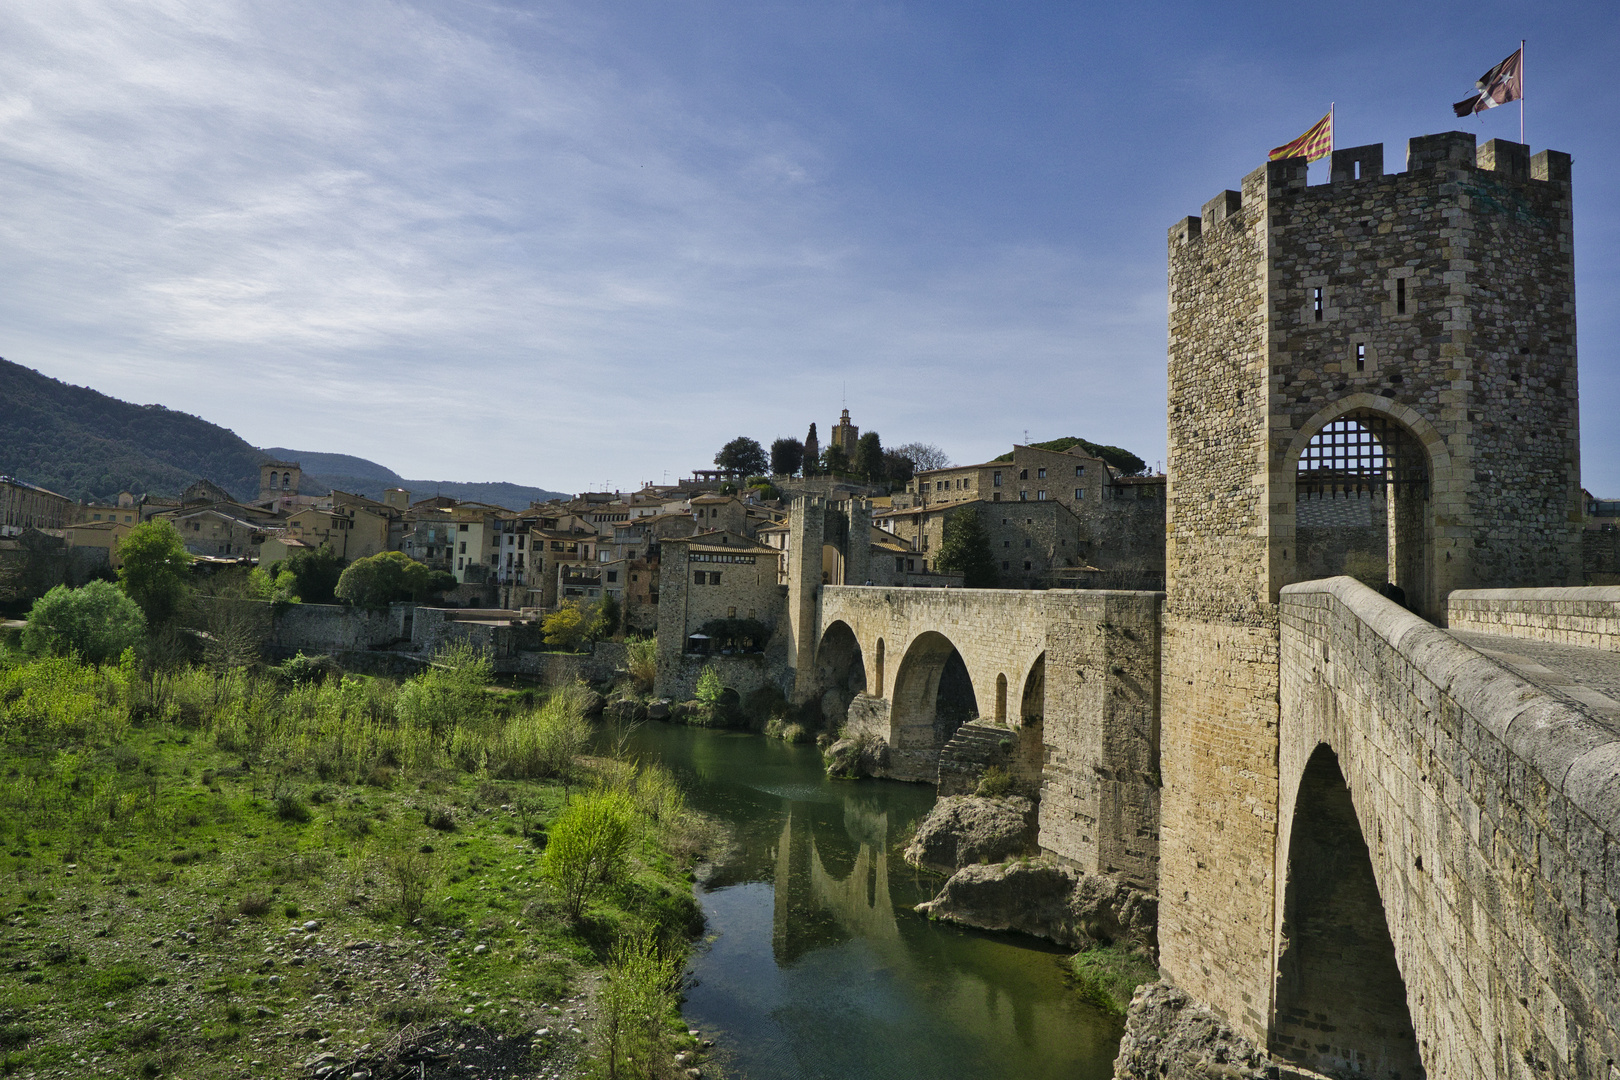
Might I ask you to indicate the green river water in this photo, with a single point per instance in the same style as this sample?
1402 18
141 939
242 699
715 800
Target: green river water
814 965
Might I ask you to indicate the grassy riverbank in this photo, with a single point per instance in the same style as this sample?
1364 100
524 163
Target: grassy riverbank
226 874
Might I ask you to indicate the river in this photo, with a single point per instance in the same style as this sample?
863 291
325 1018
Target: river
814 965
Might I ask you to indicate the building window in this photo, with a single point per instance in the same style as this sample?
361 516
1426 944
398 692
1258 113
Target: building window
911 564
1023 496
714 577
1400 296
899 563
1316 304
1006 543
731 613
613 575
520 542
1005 565
1023 474
458 564
1079 470
1026 564
1026 541
995 478
1040 474
463 550
1079 493
463 528
1040 496
995 497
1361 357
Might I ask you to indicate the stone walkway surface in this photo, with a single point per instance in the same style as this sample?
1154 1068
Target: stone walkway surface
1588 676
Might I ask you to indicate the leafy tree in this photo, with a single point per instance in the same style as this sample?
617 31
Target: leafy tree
743 454
608 612
709 687
812 452
573 624
787 457
378 580
869 457
835 460
965 549
924 456
156 570
98 622
275 584
897 467
316 573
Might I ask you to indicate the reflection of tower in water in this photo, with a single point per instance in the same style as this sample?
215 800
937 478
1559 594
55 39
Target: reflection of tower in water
814 906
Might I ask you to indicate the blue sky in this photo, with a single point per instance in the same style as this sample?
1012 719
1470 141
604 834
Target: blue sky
585 244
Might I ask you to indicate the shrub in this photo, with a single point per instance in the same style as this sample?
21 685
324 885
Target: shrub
450 692
995 783
98 622
413 872
638 994
588 846
641 660
543 742
709 687
253 904
1108 975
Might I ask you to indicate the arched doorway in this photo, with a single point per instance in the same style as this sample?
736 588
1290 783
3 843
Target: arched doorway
933 696
1361 506
1341 1001
840 672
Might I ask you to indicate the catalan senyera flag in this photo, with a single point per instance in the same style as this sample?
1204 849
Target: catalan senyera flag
1315 144
1498 86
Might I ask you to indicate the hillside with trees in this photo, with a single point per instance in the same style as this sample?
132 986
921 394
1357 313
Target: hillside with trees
79 442
83 444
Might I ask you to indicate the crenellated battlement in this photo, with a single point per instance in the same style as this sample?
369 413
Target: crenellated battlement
1449 150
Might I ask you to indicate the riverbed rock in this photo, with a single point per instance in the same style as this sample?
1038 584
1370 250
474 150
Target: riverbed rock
1169 1036
626 710
658 710
851 758
593 703
964 829
1043 898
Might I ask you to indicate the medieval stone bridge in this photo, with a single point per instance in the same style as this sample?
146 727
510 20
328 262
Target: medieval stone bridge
1443 884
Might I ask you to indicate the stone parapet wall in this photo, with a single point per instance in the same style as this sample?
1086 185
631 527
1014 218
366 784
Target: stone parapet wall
1589 617
1491 811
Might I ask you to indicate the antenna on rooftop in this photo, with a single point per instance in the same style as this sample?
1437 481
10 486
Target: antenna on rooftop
1026 436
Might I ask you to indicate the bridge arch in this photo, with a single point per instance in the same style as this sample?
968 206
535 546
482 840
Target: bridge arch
840 671
1032 703
1336 958
1362 473
933 696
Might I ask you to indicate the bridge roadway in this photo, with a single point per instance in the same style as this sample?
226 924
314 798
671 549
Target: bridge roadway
1588 677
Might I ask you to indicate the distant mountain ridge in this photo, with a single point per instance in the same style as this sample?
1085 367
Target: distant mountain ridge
359 476
79 442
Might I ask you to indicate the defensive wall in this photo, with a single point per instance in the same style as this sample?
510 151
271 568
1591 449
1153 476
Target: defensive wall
1443 823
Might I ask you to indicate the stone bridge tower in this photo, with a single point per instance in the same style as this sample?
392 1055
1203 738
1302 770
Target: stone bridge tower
1373 376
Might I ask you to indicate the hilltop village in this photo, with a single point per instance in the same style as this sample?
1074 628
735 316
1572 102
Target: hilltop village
1045 518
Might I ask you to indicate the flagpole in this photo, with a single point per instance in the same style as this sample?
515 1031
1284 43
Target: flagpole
1521 90
1333 135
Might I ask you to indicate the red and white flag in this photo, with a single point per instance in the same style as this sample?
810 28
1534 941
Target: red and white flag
1498 86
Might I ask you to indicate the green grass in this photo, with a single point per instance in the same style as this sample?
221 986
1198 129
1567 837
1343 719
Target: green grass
161 839
1107 976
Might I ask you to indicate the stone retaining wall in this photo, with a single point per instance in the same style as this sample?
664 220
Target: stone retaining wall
1491 812
1580 616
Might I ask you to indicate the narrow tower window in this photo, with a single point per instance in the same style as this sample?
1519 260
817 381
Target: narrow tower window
1316 303
1361 358
1400 296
